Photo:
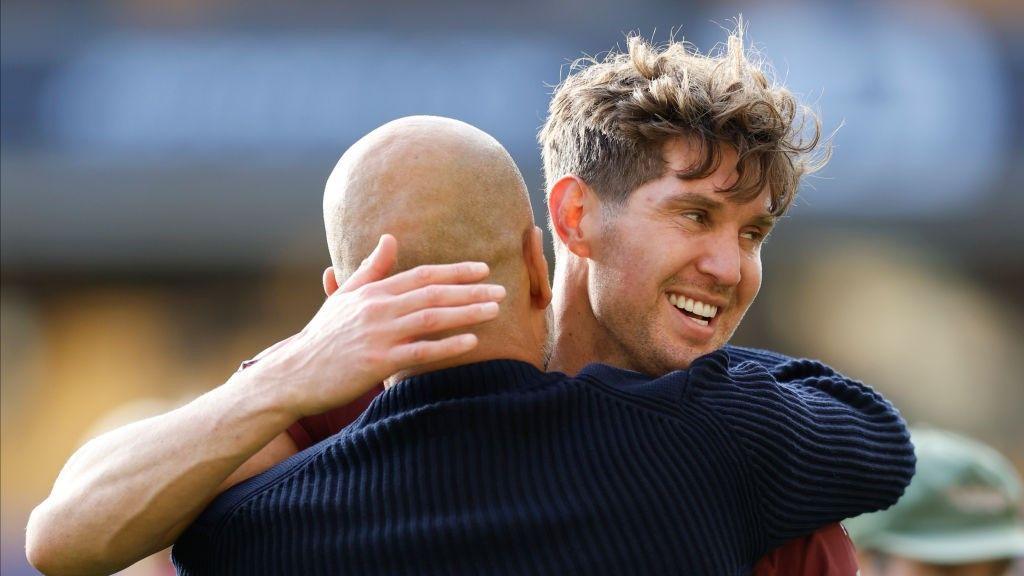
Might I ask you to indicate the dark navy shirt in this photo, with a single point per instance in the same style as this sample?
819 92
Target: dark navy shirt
497 467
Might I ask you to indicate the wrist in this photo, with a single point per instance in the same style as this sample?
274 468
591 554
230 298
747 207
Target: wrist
266 391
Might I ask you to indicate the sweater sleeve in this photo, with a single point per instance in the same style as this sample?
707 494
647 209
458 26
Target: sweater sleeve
820 447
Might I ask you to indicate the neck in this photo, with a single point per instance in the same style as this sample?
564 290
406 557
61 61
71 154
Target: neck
575 329
501 339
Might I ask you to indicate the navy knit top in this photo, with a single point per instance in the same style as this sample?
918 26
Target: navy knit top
499 468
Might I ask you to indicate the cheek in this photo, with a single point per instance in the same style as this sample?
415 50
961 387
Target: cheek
622 283
750 274
621 259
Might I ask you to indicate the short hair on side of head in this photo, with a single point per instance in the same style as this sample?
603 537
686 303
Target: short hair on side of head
609 119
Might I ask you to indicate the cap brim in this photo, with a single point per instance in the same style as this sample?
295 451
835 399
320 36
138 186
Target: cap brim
973 546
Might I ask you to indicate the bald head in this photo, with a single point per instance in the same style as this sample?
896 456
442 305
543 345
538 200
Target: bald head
447 191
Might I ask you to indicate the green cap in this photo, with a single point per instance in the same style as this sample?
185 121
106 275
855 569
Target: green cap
963 505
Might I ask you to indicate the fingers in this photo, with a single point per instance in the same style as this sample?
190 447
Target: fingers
445 295
376 266
426 351
461 273
432 320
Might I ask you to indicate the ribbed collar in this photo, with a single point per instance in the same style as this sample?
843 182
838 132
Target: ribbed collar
465 381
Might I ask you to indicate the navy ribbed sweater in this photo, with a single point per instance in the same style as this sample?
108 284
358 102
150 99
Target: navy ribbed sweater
499 468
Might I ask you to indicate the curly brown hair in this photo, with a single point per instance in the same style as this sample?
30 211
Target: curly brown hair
609 119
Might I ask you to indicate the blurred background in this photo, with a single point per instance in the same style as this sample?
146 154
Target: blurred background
163 163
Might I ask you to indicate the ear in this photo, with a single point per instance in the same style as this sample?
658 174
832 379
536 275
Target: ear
573 209
537 268
330 281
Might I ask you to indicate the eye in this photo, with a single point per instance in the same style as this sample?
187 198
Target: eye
753 235
698 217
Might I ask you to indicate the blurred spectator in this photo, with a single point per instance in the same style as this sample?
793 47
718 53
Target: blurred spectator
961 515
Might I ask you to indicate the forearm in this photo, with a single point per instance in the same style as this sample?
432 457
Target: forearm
128 493
131 492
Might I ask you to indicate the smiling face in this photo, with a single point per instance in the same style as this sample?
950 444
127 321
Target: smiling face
673 270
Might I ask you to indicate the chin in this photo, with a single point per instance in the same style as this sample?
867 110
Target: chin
672 360
681 359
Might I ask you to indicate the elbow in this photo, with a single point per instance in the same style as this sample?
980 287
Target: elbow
899 466
38 556
44 559
896 453
40 548
907 457
910 465
50 551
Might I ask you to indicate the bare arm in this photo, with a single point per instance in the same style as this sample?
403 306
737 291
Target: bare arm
128 493
132 491
278 450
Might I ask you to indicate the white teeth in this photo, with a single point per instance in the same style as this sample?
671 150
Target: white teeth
697 307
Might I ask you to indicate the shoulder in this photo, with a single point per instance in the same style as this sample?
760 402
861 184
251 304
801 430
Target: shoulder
634 386
728 367
766 358
780 366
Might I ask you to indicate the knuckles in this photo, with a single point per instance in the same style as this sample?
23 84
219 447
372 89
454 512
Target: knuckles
373 308
429 319
422 274
374 357
433 295
419 353
366 290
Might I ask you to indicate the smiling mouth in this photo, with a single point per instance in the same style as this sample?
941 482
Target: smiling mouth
699 312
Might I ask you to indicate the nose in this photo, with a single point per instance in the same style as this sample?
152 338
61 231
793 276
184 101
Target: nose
720 259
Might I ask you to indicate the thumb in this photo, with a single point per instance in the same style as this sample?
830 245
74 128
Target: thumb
376 266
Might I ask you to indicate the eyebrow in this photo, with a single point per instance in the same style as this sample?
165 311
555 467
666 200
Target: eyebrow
694 200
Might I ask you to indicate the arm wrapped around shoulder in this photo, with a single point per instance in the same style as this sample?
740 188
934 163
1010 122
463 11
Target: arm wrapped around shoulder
820 447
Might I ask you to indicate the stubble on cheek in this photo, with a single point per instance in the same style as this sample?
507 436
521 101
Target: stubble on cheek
627 312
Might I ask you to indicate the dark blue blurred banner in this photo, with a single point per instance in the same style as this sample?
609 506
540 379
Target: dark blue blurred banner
132 142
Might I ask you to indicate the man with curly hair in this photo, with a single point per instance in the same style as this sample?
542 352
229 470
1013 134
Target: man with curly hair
666 169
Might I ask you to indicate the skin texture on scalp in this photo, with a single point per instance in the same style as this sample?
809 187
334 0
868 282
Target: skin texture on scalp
447 191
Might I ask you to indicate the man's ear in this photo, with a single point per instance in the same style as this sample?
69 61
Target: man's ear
574 211
330 281
537 268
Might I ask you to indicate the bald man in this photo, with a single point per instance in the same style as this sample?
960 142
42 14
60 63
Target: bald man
129 493
485 456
